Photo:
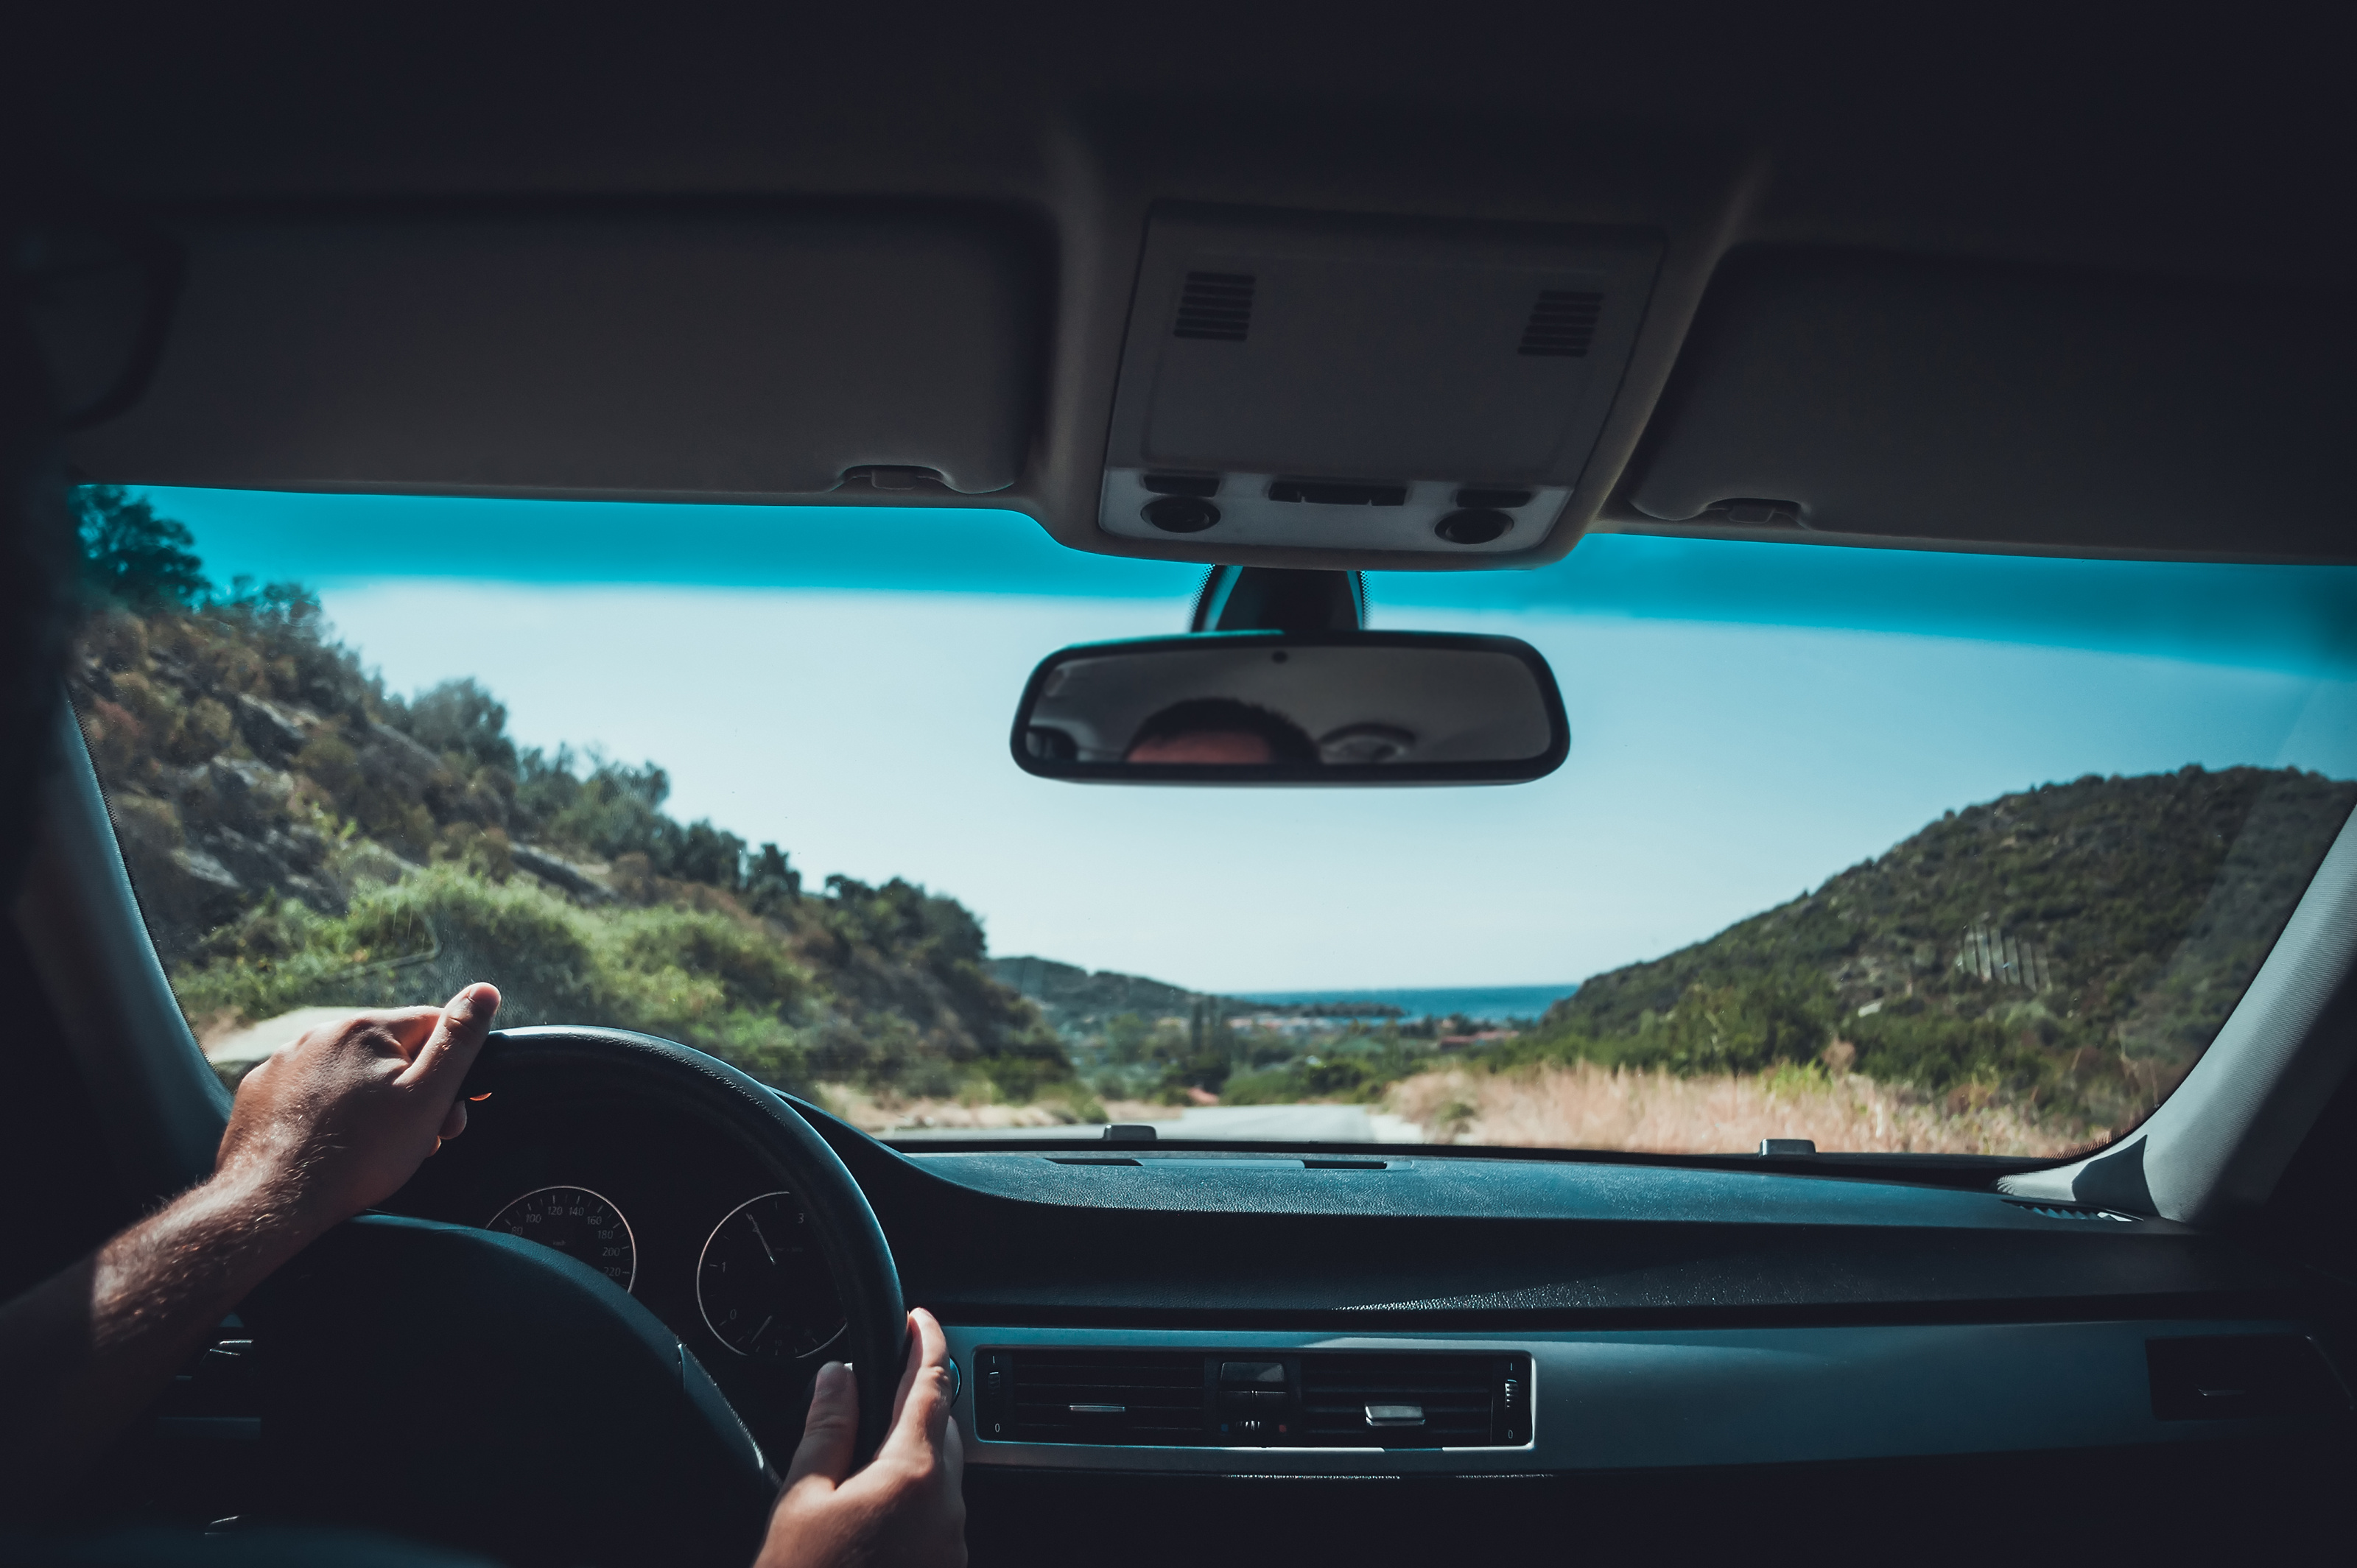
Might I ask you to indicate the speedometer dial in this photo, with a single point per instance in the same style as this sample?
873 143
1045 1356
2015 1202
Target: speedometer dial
763 1285
578 1223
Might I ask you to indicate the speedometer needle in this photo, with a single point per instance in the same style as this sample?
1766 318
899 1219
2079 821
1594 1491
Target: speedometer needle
762 1238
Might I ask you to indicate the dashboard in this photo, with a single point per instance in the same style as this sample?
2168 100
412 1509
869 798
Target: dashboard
1260 1312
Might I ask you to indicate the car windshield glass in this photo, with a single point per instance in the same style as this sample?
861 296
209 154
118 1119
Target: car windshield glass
1894 851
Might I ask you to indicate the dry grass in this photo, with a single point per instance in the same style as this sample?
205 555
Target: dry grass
888 1114
1584 1106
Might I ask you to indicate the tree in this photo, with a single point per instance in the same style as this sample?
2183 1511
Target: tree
771 883
458 716
134 557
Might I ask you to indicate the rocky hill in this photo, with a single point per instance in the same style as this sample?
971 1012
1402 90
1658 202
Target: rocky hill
298 836
1085 1000
2076 946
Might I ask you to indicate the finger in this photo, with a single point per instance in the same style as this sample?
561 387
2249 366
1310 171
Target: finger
454 1123
832 1429
911 1365
457 1036
403 1028
922 1406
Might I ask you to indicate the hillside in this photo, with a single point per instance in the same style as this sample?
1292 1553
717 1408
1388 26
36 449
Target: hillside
1077 999
299 836
2073 947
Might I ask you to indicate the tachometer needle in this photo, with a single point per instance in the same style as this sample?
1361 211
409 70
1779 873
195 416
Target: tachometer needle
756 1339
762 1238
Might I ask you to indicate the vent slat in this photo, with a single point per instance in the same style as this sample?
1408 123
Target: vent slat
1160 1395
1455 1392
1562 325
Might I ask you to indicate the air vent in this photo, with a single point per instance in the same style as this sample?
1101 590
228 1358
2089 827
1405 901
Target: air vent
1562 324
1103 1396
1414 1402
1218 306
1247 1398
2071 1211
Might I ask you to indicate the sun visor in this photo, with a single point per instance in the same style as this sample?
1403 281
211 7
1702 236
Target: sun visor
1899 398
647 354
1366 384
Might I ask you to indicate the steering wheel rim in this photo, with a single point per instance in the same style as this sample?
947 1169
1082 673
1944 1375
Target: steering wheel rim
765 1124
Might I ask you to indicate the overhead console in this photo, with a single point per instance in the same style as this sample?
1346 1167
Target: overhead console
1362 384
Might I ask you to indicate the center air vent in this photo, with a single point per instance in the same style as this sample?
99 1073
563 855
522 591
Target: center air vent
1562 324
1216 306
1238 1399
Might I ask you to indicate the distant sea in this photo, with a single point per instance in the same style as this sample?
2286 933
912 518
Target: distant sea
1472 1001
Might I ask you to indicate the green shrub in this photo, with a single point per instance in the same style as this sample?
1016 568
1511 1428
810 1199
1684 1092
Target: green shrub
709 980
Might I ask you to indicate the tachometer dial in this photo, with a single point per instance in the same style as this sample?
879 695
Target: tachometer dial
762 1285
579 1224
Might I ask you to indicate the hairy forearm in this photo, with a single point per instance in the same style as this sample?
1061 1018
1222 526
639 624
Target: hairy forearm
332 1123
82 1354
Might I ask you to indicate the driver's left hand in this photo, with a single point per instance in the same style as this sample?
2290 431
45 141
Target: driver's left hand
341 1117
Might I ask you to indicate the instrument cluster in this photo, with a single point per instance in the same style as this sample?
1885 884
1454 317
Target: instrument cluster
705 1238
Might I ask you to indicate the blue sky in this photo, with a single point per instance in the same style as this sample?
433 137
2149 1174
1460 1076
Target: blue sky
1746 719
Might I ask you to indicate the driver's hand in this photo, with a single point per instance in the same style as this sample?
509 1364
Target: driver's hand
341 1118
905 1508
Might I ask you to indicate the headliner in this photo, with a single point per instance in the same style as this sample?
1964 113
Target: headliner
2149 148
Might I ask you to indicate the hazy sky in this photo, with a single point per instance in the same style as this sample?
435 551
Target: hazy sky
1721 762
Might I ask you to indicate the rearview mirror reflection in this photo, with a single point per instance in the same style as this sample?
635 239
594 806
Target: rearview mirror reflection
1288 708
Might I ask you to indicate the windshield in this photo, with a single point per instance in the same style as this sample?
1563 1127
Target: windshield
1899 852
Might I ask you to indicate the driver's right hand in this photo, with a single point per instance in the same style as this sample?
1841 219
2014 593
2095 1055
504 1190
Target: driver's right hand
907 1507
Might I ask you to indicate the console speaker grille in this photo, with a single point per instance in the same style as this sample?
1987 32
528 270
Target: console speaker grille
1216 306
1562 324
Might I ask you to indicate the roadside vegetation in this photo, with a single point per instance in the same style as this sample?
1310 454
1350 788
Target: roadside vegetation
298 836
2024 976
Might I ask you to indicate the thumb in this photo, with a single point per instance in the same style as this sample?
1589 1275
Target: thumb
833 1429
457 1035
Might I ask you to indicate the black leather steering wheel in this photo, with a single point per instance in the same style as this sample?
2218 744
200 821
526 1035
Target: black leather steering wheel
467 1387
734 1109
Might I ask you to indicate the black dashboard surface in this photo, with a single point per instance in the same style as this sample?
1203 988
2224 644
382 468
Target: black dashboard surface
1433 1241
1418 1238
1096 1242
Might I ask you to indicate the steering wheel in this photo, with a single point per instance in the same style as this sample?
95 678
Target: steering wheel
467 1387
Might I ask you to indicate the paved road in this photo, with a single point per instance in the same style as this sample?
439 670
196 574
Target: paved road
1225 1124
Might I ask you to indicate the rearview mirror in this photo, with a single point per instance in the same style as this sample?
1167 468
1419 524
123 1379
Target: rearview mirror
1265 707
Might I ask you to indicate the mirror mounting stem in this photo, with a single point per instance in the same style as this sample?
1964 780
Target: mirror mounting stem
1279 598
